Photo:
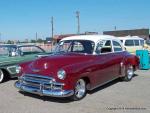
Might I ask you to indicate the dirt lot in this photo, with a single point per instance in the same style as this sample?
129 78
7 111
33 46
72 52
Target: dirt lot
115 97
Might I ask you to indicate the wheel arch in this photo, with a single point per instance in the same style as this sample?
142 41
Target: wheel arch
87 81
6 73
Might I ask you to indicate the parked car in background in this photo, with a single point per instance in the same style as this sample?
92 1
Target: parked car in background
10 55
132 43
147 45
80 63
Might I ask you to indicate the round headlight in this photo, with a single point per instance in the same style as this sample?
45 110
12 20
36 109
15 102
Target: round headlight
61 74
18 69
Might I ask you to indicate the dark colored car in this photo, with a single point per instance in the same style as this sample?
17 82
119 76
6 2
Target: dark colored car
80 63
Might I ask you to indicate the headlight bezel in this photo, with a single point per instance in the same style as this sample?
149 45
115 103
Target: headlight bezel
18 69
61 74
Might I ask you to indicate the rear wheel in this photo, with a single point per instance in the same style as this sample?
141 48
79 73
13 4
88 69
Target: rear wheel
80 90
129 72
1 76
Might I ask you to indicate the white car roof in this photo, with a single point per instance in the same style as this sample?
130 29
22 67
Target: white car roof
130 37
94 38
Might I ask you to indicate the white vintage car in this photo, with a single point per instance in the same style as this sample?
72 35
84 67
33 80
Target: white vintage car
132 43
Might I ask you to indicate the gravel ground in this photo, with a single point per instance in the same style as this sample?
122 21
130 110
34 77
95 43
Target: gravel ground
115 97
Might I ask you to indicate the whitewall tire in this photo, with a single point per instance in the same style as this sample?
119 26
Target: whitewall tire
1 76
129 73
80 90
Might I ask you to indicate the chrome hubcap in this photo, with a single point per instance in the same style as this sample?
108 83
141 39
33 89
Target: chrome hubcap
1 75
80 88
130 72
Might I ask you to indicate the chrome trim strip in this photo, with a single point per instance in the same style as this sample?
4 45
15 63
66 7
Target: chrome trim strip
38 76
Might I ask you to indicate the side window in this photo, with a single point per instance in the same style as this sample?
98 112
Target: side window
142 42
117 46
129 43
108 43
107 47
30 50
136 42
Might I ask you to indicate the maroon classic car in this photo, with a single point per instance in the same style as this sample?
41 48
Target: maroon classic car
79 63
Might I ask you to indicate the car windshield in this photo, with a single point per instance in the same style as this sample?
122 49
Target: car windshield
76 46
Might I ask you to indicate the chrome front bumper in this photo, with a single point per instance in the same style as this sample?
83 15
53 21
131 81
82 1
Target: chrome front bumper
42 85
42 92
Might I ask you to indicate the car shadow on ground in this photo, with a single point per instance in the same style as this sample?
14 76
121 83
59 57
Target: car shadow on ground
8 79
47 98
68 100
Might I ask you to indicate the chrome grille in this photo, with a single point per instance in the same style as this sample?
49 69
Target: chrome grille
40 82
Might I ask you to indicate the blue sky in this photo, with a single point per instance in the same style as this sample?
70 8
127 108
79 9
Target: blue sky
21 19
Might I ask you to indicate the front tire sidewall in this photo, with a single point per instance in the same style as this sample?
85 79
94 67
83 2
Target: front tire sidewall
1 76
75 97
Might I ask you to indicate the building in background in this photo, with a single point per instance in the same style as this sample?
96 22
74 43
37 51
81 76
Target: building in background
143 33
49 39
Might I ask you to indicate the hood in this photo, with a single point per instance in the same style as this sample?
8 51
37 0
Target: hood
51 64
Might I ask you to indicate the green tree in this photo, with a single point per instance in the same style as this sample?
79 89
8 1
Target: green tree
40 40
10 42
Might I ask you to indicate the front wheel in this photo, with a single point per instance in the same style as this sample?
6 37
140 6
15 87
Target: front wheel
129 72
1 76
80 90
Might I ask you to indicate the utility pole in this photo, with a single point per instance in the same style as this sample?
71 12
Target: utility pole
52 26
78 21
115 28
52 31
36 37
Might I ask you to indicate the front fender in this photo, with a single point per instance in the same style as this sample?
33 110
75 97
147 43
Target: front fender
75 72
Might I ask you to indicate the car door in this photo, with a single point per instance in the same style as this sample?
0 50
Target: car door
118 56
104 62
